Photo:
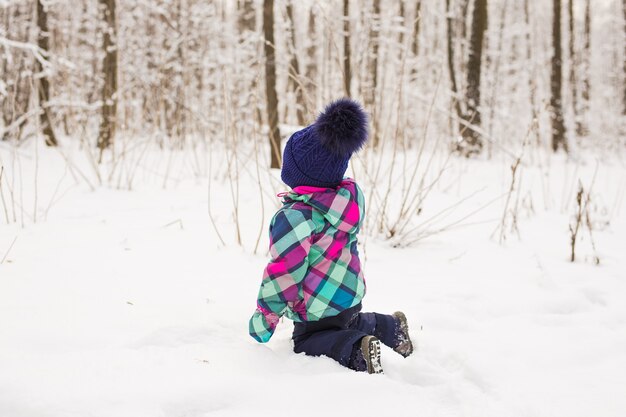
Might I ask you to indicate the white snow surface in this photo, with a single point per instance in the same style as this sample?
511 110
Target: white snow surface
124 303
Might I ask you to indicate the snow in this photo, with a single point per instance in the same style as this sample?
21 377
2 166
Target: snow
124 303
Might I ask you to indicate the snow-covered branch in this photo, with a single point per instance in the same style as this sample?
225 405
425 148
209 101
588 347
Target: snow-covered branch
39 54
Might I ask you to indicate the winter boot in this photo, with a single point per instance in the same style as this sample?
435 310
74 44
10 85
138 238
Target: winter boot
366 356
403 342
370 347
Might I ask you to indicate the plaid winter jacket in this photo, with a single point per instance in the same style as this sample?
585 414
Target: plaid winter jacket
315 271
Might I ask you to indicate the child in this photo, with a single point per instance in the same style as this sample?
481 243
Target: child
314 276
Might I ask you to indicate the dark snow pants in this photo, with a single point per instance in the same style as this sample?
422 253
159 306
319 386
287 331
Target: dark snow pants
336 336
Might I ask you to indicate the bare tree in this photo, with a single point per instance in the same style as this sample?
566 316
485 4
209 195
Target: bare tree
417 18
178 124
573 56
44 84
451 67
624 59
463 19
311 65
461 29
581 126
294 69
347 70
491 102
402 16
270 83
472 140
532 83
166 65
370 93
15 73
246 20
556 80
109 72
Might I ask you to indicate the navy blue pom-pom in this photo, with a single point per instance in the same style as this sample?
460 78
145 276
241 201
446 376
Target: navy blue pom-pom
342 127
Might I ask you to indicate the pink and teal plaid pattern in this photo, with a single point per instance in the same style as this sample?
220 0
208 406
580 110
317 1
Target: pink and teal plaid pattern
315 270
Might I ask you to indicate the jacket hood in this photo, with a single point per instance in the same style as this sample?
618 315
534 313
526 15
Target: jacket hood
343 207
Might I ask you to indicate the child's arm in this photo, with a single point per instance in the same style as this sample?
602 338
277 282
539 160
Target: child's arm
290 233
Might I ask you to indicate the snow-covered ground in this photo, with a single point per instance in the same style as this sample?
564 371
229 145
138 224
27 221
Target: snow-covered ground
125 303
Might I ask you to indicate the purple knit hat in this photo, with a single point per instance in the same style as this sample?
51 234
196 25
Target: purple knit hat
318 155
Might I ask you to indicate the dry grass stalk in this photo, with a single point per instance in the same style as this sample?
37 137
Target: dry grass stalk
578 221
582 219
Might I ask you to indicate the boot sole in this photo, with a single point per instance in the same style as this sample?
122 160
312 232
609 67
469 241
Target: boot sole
370 346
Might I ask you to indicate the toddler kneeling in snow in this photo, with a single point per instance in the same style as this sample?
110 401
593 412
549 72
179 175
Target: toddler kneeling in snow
314 277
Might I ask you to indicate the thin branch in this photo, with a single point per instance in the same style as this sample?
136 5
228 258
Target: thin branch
39 54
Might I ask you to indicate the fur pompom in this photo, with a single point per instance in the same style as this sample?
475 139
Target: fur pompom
342 127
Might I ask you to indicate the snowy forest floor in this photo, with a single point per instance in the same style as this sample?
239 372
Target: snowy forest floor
124 303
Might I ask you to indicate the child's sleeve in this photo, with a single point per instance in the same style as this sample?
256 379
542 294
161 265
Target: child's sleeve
290 241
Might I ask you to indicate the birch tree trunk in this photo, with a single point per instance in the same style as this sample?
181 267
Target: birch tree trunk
44 85
270 83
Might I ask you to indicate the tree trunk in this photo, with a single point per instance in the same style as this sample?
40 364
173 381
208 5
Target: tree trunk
311 66
624 64
374 41
461 28
44 85
14 105
294 69
180 122
370 96
472 142
246 18
583 129
451 67
417 18
403 26
270 83
463 18
573 63
556 81
532 86
109 71
496 69
347 70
